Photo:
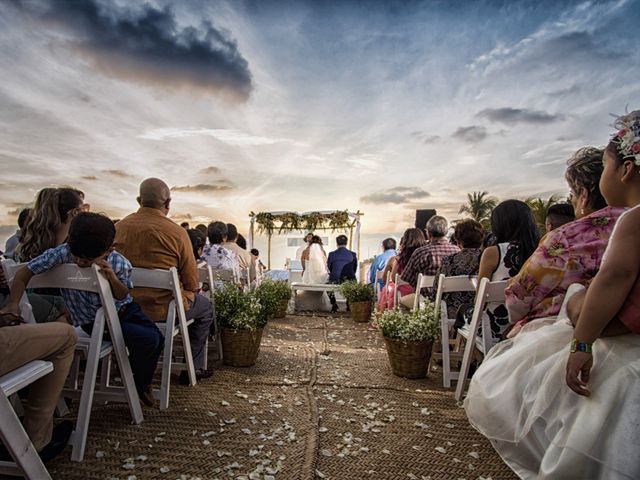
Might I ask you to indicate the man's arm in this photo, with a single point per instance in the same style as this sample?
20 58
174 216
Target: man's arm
187 268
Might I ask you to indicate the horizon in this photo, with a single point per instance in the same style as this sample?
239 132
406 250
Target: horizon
382 107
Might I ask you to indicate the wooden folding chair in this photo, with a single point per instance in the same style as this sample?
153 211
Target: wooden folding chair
94 349
487 292
424 281
460 283
169 280
27 461
205 275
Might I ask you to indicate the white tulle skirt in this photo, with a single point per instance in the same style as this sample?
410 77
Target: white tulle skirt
519 400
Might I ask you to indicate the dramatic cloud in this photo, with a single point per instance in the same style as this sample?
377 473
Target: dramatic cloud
89 177
425 137
146 44
202 188
397 195
210 170
518 115
115 173
472 134
228 136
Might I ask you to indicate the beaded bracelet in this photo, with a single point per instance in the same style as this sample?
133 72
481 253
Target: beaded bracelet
577 346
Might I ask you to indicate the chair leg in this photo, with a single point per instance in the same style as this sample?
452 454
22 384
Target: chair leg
186 344
78 438
165 384
17 442
467 357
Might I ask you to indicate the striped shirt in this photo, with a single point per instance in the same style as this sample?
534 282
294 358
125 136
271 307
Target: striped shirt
82 306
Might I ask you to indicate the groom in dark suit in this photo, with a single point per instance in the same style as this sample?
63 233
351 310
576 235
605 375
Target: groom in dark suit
342 264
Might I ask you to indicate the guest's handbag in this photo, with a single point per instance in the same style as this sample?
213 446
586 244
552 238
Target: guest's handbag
10 320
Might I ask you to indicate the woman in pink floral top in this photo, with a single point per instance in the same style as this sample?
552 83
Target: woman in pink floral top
569 254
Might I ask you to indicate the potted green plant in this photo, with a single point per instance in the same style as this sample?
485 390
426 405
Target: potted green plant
274 297
243 318
360 298
409 339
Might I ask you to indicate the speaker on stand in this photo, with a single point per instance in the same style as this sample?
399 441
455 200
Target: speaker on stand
423 216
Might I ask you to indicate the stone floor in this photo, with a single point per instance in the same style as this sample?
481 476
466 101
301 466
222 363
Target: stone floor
321 402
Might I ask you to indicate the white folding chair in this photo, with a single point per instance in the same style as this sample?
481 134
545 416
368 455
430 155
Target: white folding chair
376 285
487 292
94 349
221 276
460 283
169 280
205 275
27 462
424 281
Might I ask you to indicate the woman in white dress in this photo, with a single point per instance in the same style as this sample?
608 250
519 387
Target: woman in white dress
314 263
552 414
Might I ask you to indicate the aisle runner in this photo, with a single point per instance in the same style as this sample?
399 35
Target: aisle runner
320 403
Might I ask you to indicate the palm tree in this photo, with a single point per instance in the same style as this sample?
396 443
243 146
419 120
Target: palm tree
479 206
540 209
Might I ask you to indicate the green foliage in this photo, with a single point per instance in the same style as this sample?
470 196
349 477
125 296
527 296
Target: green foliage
238 310
479 206
413 326
271 294
354 291
292 221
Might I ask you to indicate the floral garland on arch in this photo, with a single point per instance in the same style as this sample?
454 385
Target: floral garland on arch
291 221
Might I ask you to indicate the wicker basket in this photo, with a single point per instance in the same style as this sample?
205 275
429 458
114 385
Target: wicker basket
240 347
409 359
360 311
282 309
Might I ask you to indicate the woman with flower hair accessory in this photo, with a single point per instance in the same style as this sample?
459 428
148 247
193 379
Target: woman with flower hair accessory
559 402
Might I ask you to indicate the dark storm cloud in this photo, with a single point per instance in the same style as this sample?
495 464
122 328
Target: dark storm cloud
472 134
518 115
203 188
146 44
397 195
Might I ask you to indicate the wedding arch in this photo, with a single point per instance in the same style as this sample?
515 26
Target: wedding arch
270 223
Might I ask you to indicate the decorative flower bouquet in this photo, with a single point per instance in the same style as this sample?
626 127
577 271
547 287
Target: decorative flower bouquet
409 339
360 298
274 297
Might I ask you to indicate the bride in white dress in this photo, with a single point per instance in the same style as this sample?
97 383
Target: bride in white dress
314 263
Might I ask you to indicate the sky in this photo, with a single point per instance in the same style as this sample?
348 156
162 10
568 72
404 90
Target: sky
382 107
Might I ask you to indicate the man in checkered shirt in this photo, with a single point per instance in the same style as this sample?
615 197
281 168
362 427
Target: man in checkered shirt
427 259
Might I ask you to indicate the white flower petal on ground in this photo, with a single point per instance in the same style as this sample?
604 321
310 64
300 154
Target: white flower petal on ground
441 450
100 454
165 469
129 466
475 455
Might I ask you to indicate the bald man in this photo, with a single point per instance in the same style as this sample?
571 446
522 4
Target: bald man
151 240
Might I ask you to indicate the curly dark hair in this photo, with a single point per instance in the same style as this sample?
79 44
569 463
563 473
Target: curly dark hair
584 170
469 233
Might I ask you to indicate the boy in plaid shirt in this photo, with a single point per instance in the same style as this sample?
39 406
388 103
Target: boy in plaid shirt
90 242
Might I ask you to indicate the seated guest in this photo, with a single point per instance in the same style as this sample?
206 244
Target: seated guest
91 242
558 215
49 221
380 262
241 242
230 243
151 240
427 259
559 402
314 262
569 254
517 234
48 227
412 240
255 254
469 235
14 240
214 254
202 228
185 225
198 241
53 342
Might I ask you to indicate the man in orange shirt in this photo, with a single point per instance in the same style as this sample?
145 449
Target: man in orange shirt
151 240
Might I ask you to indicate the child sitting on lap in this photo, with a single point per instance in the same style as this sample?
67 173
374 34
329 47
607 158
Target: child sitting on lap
90 242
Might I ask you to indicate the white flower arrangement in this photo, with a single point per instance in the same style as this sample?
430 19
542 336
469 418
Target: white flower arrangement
628 136
412 326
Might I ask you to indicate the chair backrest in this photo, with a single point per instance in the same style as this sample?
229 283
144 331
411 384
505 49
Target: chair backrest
424 281
205 275
160 279
488 292
220 275
458 283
